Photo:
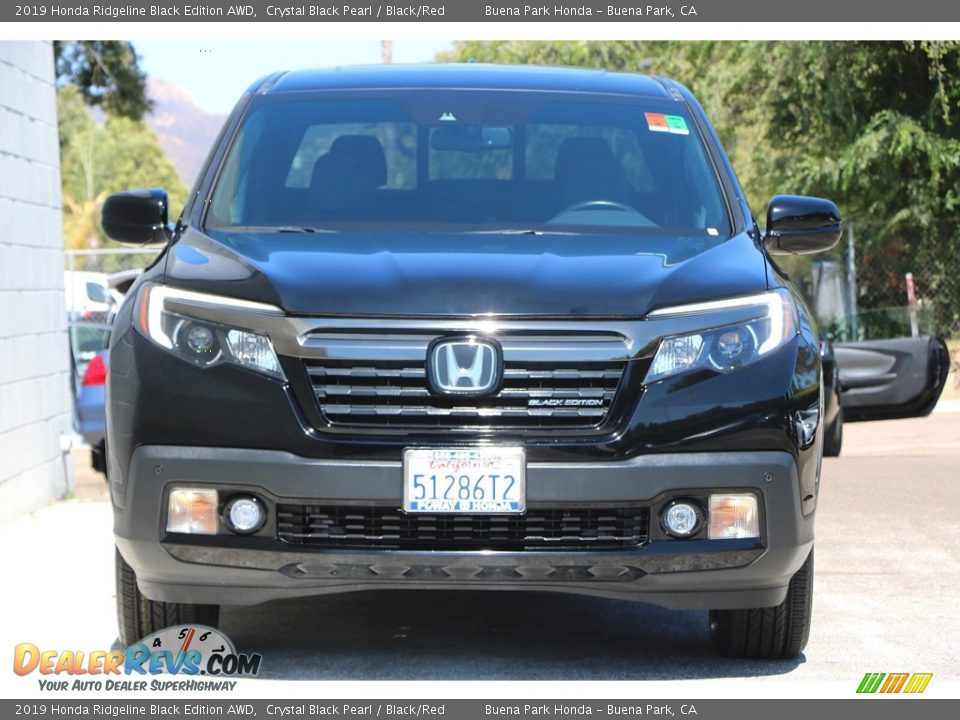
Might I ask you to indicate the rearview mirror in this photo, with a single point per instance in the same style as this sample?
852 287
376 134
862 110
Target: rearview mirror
471 138
137 217
798 225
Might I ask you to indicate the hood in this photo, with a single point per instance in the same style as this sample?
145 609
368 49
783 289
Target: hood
466 274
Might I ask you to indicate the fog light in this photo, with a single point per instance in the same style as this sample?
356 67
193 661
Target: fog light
681 518
193 511
733 516
245 515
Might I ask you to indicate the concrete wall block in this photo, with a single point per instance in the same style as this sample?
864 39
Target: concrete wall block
29 181
22 312
11 137
33 58
22 181
10 319
31 269
26 224
20 94
21 448
32 444
29 89
48 138
25 137
12 399
32 356
54 402
35 399
32 489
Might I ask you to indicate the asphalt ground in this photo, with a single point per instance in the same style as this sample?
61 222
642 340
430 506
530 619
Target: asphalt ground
887 593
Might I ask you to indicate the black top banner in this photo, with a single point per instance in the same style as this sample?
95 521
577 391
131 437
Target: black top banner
484 11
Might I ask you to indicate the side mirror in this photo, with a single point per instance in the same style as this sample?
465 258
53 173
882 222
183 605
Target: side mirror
798 225
137 217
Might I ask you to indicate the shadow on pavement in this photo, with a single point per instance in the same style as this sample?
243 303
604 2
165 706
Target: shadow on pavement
412 635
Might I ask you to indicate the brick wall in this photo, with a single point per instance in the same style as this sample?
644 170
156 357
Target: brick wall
35 404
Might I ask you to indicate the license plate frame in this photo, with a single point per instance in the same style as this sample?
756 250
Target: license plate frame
427 472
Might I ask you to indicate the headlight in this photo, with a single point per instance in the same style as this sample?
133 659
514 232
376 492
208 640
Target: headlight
723 348
202 342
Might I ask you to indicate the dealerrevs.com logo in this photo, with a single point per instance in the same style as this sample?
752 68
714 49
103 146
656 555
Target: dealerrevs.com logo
188 651
888 683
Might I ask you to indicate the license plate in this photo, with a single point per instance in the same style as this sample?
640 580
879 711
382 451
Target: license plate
480 480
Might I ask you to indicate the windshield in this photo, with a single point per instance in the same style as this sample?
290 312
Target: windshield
468 160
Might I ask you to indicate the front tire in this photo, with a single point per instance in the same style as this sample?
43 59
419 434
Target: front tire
138 616
775 633
98 458
833 437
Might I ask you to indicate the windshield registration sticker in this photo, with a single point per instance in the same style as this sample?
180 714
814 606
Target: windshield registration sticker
658 122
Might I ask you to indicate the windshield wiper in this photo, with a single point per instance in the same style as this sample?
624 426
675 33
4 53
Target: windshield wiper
301 229
277 229
508 231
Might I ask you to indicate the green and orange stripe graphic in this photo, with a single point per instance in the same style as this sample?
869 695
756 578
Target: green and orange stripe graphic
894 682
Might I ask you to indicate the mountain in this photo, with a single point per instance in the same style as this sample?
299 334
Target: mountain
185 130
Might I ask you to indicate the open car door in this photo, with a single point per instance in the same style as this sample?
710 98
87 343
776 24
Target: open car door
884 379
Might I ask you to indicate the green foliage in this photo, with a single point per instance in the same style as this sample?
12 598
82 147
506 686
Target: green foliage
872 124
99 159
107 72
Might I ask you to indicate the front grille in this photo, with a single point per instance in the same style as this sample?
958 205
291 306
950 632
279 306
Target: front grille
536 395
377 528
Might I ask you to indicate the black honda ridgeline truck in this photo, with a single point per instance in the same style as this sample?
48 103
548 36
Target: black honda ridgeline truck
468 327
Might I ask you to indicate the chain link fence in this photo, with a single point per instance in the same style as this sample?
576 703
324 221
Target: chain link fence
872 291
109 260
866 290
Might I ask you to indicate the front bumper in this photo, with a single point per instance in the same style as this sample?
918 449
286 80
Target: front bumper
673 573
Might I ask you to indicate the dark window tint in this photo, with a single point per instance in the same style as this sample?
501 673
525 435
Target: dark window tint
420 160
398 141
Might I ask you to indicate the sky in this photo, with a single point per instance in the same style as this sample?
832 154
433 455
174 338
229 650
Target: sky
217 73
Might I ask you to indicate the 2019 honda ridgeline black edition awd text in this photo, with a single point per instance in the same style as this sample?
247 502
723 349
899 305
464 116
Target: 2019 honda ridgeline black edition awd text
468 327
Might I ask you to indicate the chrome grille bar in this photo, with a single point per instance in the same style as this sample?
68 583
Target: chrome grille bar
550 380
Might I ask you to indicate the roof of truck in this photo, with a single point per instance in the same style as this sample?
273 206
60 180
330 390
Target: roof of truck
466 75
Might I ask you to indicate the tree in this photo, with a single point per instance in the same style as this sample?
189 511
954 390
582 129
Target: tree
107 72
99 159
876 124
